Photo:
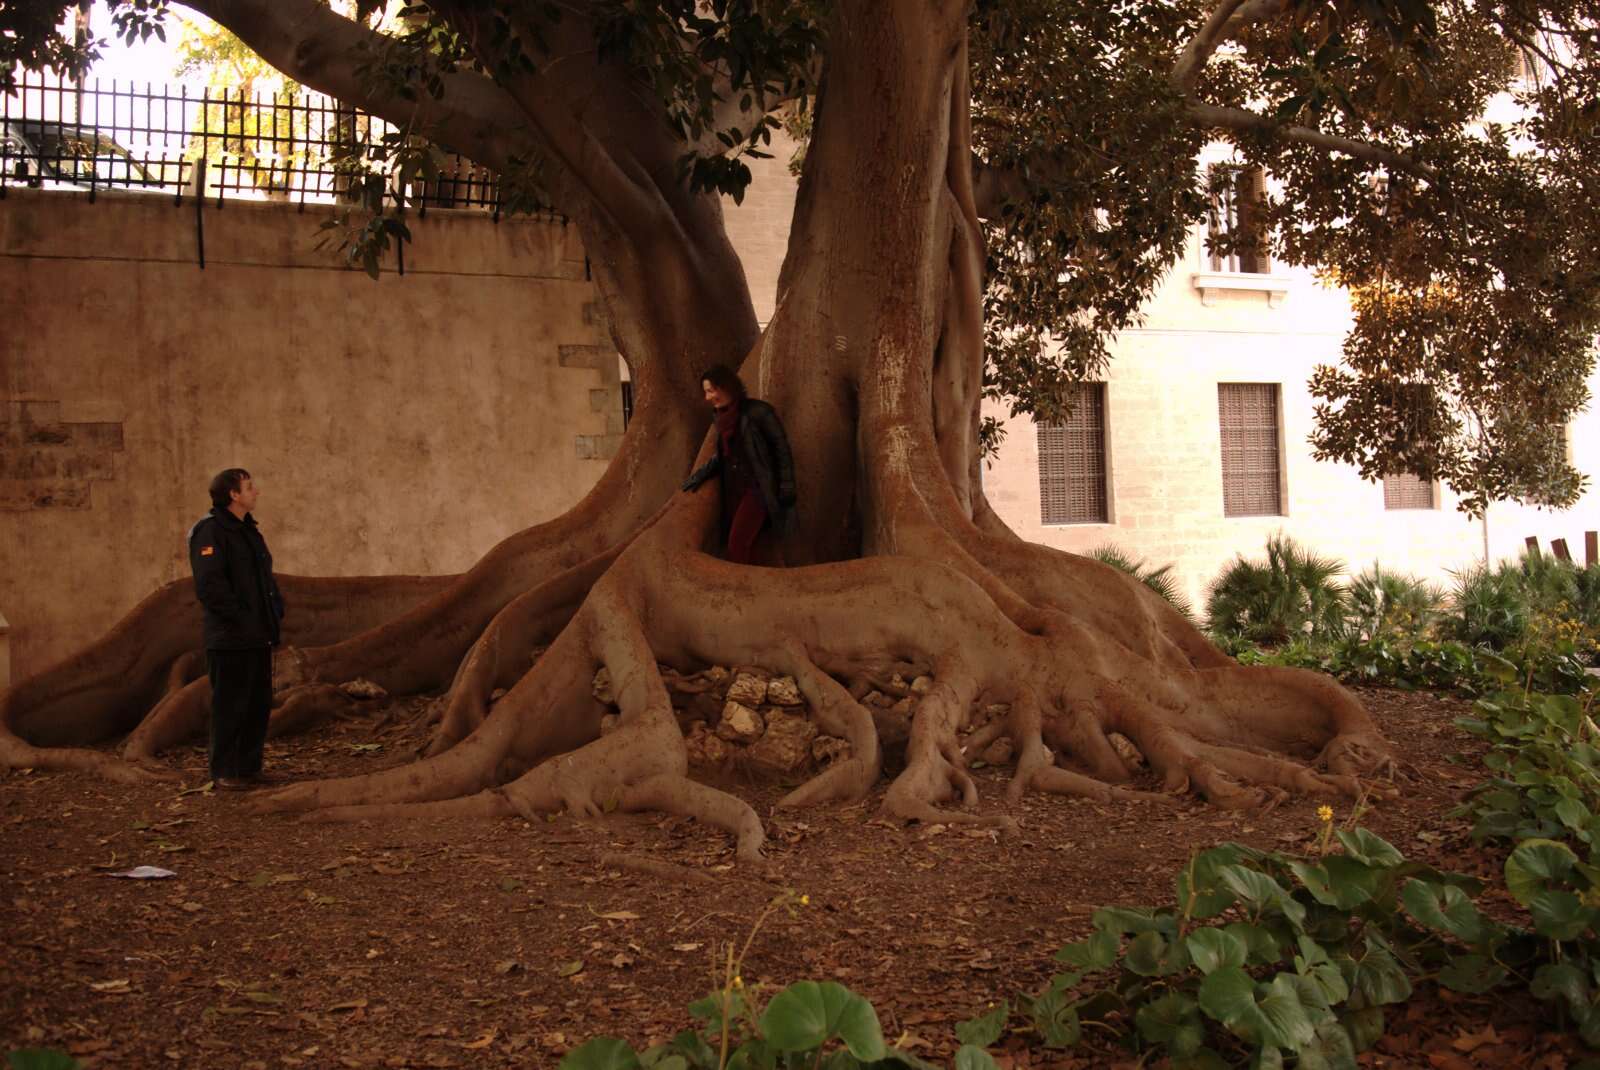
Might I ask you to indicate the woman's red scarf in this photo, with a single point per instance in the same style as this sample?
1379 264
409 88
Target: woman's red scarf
728 425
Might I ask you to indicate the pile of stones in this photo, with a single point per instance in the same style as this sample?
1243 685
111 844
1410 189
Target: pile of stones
744 715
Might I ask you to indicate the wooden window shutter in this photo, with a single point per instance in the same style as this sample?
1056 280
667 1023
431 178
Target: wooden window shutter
1403 490
1250 191
1072 462
1248 413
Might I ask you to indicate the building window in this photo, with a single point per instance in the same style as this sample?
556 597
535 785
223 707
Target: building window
1250 473
1234 216
1403 490
1072 462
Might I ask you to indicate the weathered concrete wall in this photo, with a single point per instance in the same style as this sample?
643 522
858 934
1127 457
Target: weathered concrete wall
397 426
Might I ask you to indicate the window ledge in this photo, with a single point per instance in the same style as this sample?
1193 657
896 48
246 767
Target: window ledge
1211 283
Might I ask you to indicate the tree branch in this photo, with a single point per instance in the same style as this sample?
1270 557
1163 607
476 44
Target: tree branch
1193 58
1238 119
610 175
312 44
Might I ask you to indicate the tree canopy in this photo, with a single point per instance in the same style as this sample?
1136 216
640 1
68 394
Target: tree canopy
1436 159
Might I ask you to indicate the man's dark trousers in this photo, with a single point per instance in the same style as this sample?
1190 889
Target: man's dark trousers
241 699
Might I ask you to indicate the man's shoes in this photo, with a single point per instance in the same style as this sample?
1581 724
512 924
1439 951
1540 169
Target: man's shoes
231 783
267 779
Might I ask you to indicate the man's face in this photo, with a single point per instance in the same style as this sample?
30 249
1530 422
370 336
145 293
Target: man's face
245 497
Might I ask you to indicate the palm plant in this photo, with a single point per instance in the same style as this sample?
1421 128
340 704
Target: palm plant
1293 594
1384 602
1163 581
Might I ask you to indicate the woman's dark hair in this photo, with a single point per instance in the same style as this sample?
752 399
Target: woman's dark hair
725 379
224 483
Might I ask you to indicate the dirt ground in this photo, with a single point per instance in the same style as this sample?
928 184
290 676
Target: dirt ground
282 943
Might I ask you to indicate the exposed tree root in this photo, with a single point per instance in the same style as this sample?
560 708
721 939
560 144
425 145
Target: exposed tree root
151 657
1240 737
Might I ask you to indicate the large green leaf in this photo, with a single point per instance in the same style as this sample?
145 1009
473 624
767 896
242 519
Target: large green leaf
1098 952
1283 1017
601 1053
1560 915
1151 954
970 1057
1473 974
1364 1026
1201 892
1263 893
1564 981
1536 864
807 1015
1369 848
1122 920
1056 1019
1212 948
1263 946
1443 908
1228 994
1173 1020
986 1028
1330 1049
41 1059
1379 978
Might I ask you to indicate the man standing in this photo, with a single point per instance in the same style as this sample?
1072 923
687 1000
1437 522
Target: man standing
233 581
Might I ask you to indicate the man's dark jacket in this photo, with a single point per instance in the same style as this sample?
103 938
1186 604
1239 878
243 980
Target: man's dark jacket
233 581
766 452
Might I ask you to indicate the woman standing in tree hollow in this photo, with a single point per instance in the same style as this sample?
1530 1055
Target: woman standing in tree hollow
753 460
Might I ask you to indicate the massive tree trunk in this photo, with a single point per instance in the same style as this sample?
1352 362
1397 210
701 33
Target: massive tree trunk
873 358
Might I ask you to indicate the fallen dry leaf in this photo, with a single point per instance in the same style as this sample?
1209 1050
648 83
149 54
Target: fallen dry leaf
483 1041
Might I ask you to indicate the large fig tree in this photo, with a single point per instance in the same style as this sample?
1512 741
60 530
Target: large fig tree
989 191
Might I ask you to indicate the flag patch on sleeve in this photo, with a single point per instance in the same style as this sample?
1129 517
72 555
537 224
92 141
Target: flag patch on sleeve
207 551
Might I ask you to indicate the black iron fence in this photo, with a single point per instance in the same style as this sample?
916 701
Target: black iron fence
295 146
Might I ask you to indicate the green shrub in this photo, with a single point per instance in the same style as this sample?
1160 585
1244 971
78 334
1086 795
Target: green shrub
1384 603
1163 581
1489 607
1294 594
1545 769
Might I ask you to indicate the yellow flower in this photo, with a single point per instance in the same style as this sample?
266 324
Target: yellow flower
1325 814
738 982
805 900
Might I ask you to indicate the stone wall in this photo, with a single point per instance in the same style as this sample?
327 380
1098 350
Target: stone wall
396 426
